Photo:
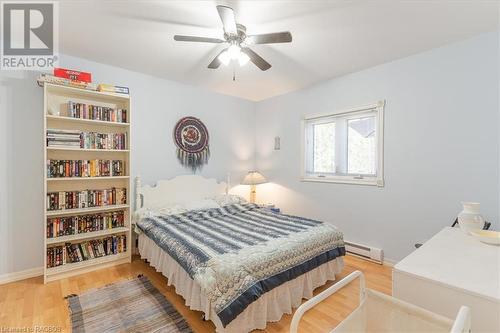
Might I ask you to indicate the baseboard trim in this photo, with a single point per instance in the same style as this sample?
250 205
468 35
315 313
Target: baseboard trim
21 275
386 262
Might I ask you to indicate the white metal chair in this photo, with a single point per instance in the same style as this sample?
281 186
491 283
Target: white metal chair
378 312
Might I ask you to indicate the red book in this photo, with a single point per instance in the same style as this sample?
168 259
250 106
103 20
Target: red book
73 75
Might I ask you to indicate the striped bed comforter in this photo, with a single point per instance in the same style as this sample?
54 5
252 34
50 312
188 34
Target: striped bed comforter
239 252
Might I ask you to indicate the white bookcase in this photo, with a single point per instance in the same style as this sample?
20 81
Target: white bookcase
56 100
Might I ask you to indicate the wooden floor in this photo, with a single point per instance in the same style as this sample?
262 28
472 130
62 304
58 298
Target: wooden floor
30 303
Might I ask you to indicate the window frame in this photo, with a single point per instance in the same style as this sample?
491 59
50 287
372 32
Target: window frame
352 113
320 121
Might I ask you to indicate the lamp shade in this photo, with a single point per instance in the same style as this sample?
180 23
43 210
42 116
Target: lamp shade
254 178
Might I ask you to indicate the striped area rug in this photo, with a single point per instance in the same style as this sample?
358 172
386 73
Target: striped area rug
128 306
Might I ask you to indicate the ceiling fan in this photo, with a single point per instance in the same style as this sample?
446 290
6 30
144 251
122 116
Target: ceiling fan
235 35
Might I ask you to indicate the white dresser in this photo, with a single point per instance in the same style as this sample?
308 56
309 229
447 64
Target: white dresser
449 270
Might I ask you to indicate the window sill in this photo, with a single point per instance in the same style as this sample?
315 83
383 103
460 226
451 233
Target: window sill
345 180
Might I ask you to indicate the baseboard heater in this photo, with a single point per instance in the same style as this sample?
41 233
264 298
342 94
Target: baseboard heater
366 252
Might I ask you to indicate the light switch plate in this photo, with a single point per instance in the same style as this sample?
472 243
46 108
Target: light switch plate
277 143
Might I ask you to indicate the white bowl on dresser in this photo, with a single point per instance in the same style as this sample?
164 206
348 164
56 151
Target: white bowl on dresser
487 236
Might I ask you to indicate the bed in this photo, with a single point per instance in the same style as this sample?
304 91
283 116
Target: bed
239 263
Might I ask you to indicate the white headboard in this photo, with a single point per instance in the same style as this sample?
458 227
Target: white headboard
177 190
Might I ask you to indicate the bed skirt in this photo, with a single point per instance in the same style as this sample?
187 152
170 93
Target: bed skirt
268 308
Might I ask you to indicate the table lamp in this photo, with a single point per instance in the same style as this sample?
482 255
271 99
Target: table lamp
253 178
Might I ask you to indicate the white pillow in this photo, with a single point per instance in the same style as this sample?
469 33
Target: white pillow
172 209
149 212
228 199
140 214
200 204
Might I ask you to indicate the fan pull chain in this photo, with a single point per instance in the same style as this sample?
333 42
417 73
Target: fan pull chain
234 72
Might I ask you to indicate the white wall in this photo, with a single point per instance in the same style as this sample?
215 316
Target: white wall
21 178
157 104
3 175
441 146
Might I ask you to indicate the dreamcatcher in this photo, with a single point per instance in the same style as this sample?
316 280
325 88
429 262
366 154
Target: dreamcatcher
191 139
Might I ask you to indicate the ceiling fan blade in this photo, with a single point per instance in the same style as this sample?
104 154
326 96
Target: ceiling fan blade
228 19
256 59
276 37
181 38
216 62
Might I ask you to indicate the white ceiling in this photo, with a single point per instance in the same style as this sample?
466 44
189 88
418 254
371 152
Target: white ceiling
330 38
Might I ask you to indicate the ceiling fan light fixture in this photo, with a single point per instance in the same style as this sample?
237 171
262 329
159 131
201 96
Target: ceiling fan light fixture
235 34
243 59
225 58
234 51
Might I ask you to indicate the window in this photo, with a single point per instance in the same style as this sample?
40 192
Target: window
345 147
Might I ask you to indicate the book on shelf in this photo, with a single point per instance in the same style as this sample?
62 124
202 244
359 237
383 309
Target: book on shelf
73 75
56 256
113 89
86 140
85 199
94 140
74 225
87 250
85 168
63 138
52 79
96 112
